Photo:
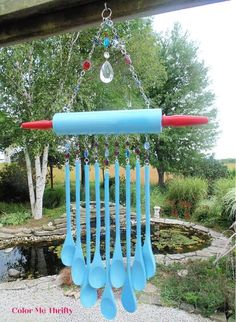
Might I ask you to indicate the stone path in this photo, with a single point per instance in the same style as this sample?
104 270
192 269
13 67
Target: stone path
43 295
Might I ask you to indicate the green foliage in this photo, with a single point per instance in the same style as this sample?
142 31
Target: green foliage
219 210
222 186
157 197
208 212
206 286
229 206
15 218
209 169
13 207
13 184
184 91
54 198
184 194
55 212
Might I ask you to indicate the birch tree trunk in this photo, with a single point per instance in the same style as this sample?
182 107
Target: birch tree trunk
36 190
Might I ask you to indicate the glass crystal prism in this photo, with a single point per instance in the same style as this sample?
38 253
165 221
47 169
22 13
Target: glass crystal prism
106 72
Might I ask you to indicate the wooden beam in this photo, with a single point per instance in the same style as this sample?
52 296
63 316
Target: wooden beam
24 20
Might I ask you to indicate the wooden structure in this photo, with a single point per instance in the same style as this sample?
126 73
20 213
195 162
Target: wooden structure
23 20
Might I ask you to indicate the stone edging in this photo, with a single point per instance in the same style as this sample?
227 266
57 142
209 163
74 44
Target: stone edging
218 244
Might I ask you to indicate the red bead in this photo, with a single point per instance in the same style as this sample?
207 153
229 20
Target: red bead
128 60
86 65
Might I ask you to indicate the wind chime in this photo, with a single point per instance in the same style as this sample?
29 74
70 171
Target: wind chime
92 275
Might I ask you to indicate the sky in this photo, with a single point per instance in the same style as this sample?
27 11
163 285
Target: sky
213 27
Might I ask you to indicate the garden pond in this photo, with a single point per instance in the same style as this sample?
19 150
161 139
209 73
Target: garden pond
42 259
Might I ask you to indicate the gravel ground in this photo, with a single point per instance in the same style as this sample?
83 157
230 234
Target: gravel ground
54 298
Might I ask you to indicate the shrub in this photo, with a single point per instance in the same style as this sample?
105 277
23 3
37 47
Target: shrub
229 207
208 212
54 198
16 218
222 186
183 195
206 286
13 184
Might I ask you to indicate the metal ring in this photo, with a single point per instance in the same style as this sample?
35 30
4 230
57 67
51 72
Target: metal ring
106 10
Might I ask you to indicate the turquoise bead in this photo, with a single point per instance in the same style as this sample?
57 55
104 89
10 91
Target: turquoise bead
106 42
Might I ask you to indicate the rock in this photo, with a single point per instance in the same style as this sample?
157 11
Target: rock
187 307
219 317
183 272
8 250
60 231
27 230
11 230
74 293
150 288
62 225
153 299
42 233
48 228
59 221
6 236
12 272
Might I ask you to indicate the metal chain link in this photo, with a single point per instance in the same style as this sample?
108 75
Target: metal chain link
124 52
107 22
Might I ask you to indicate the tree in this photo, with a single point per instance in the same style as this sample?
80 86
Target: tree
185 91
35 83
37 79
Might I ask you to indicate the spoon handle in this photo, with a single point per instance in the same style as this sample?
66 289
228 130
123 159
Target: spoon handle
87 203
117 200
147 200
128 223
77 197
138 202
98 205
107 223
68 215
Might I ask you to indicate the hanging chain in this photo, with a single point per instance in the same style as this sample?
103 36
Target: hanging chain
123 50
86 151
120 45
106 154
95 147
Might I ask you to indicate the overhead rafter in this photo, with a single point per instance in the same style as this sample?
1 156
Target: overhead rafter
24 20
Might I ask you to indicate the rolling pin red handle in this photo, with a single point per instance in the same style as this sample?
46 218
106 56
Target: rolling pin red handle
37 125
183 120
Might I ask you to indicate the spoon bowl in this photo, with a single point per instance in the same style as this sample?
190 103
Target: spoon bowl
108 304
138 273
78 267
97 272
149 259
68 250
128 298
117 270
88 294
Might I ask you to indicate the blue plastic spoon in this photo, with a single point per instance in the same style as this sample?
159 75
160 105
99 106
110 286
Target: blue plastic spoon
128 298
117 272
108 305
149 259
68 248
138 269
78 268
88 294
97 272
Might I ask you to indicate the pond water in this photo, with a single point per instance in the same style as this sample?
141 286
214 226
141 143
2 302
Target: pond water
44 259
